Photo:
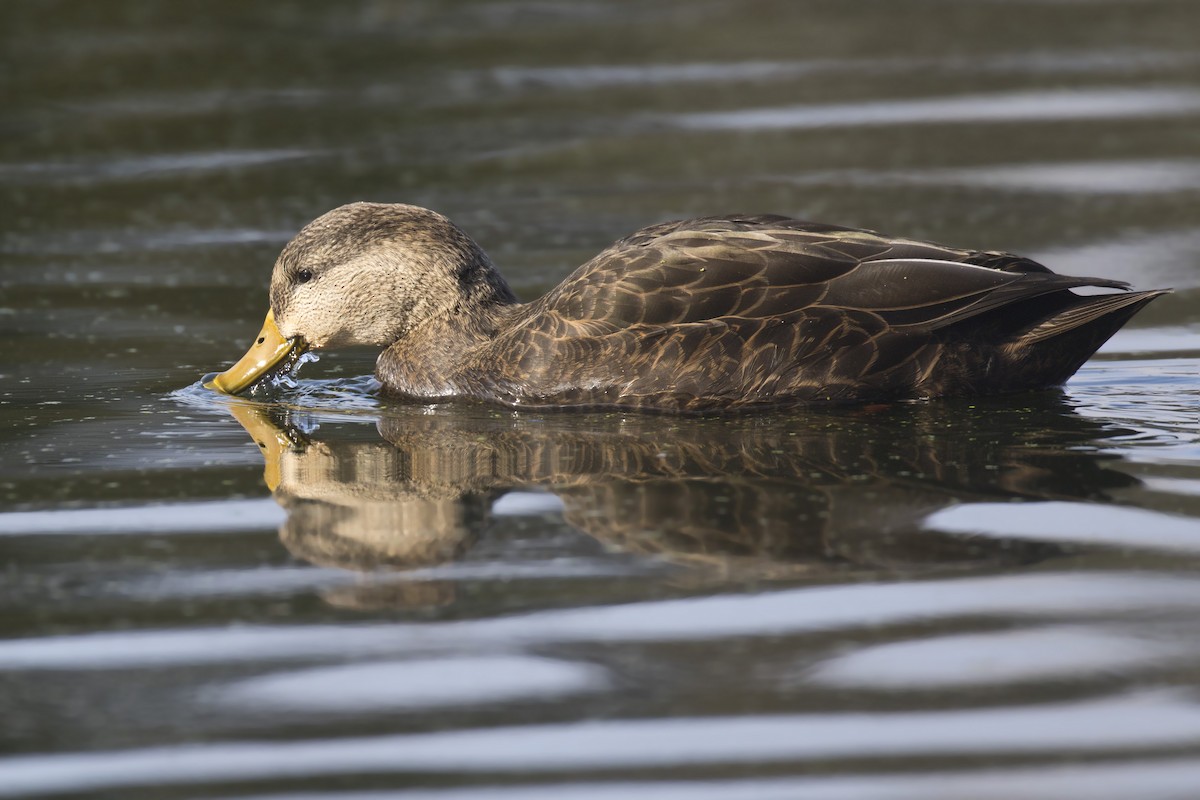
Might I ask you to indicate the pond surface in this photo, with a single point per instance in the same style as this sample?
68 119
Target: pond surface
998 598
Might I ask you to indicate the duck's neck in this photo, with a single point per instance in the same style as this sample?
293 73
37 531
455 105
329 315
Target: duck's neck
429 361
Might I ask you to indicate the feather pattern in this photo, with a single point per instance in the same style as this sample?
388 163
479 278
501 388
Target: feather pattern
745 311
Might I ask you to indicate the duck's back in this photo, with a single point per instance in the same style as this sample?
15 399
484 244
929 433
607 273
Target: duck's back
730 312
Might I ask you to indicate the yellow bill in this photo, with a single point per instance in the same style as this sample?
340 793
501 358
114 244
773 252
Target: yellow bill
268 350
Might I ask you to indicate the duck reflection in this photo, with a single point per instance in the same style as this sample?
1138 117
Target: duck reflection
769 496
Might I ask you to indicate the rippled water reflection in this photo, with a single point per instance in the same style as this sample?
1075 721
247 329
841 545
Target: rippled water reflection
321 594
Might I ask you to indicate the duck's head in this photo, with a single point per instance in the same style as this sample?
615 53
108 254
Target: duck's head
366 274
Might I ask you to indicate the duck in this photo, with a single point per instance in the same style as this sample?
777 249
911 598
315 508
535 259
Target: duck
714 314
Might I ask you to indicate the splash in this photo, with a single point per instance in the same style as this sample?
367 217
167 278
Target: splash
286 377
358 394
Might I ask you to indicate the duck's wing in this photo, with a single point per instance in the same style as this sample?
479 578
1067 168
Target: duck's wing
749 268
857 243
760 307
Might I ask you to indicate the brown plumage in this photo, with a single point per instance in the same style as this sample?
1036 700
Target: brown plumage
708 314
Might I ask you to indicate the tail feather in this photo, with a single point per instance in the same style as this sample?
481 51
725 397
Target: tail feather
1113 309
1051 351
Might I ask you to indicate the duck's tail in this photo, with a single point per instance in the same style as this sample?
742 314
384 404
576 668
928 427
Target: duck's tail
1056 347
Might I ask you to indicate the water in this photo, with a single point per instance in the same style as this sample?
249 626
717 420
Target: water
992 598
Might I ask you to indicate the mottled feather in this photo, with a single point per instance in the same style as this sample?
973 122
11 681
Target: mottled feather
729 312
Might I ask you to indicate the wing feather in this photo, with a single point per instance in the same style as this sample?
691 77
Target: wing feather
725 310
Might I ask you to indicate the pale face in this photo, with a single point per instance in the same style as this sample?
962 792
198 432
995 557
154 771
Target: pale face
365 301
367 274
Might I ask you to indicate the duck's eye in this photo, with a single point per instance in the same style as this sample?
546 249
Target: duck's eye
304 276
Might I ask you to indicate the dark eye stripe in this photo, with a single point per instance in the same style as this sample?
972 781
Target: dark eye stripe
304 276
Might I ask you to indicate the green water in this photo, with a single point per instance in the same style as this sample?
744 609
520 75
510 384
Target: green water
937 600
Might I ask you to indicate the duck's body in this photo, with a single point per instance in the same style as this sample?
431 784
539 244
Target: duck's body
708 314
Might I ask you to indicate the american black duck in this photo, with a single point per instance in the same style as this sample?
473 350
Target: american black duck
717 313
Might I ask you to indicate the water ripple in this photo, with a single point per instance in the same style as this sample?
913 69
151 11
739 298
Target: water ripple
1078 523
995 658
166 518
1043 106
1149 176
383 686
1141 720
146 166
601 76
1145 779
709 618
